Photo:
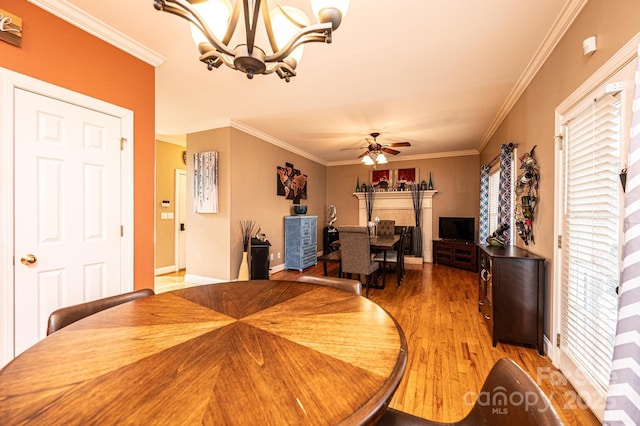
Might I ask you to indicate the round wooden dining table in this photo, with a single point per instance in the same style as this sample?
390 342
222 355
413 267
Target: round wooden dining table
246 353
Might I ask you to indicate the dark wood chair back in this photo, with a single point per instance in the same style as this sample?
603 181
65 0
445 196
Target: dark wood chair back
508 397
62 317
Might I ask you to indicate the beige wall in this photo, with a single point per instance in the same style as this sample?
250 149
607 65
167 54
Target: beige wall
531 121
247 176
248 164
168 159
457 180
208 241
247 192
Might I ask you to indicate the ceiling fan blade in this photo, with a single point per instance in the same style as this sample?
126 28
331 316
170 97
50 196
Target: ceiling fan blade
390 151
398 144
357 147
363 154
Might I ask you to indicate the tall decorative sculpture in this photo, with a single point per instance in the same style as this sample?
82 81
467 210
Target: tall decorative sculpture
332 216
527 190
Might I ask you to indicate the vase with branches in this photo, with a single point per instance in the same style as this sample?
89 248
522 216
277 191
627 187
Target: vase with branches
368 198
416 196
248 229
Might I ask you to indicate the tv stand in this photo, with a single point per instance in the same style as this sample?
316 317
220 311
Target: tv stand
459 254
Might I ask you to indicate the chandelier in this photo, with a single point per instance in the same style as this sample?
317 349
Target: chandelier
214 22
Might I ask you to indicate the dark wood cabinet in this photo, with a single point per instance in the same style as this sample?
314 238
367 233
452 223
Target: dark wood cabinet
511 295
458 254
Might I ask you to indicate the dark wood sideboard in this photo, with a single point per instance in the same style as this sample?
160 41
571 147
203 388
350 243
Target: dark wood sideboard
458 254
511 295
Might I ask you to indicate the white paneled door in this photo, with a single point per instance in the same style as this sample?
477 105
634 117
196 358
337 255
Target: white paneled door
67 209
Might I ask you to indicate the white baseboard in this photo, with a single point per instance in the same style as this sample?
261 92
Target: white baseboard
412 260
276 268
165 270
548 349
198 279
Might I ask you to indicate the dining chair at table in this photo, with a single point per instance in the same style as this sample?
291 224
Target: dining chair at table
331 257
508 397
395 258
356 253
62 317
386 227
352 286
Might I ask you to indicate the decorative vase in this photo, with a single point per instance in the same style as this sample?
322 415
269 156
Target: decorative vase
430 182
300 209
358 184
243 272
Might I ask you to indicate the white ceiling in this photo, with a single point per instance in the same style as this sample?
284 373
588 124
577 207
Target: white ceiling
440 74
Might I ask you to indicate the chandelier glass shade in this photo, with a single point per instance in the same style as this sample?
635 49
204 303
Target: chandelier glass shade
372 158
214 24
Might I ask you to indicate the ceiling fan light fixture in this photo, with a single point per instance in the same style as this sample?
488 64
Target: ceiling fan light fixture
381 159
214 24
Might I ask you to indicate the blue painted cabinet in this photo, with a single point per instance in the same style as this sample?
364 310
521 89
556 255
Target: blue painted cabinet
300 242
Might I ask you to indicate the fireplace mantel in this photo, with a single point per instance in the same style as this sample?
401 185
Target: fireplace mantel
403 200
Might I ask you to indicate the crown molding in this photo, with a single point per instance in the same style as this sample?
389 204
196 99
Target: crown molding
227 122
81 19
277 142
555 34
448 154
173 139
197 127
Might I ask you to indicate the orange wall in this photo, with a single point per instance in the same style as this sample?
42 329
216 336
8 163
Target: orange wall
61 54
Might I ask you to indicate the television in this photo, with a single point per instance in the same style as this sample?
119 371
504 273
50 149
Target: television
457 228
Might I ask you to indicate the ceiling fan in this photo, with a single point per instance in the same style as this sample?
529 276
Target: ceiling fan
375 151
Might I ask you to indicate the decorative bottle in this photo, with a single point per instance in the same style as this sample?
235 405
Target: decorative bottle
430 182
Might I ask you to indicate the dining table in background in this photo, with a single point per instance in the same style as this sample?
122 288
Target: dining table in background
252 352
380 243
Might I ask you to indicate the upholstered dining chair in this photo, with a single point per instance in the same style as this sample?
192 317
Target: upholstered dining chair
62 317
508 397
395 258
356 253
352 286
386 227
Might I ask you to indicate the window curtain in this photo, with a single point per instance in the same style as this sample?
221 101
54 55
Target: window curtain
484 203
506 185
416 196
623 396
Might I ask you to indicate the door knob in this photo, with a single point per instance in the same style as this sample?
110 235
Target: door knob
28 259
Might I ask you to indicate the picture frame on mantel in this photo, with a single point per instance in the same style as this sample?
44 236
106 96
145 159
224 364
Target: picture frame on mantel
407 176
381 179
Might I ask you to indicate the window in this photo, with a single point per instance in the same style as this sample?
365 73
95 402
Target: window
594 145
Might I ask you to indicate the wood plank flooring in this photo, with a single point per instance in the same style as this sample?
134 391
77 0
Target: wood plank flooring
450 351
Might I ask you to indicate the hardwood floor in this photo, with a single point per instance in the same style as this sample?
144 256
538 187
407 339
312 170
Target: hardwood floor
450 351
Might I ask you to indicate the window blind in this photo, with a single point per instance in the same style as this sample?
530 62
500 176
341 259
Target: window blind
591 238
